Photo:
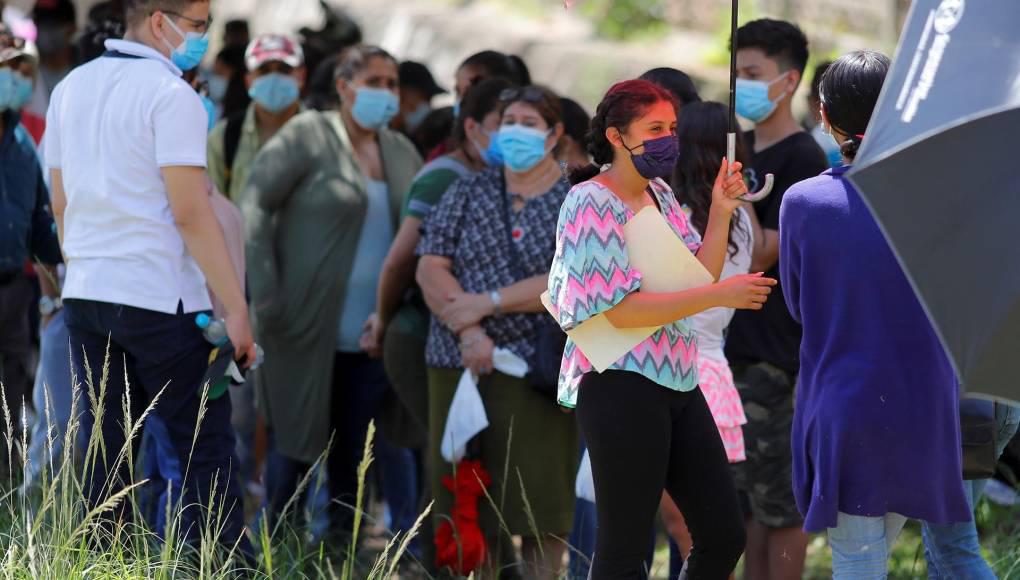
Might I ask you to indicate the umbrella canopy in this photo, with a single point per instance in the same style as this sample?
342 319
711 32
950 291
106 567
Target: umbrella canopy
936 169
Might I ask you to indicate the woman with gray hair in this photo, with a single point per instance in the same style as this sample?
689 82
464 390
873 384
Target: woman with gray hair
321 207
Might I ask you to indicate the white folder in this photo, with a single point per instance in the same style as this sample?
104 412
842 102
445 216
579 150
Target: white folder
665 264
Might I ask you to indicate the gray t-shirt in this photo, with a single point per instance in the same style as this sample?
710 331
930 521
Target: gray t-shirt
373 245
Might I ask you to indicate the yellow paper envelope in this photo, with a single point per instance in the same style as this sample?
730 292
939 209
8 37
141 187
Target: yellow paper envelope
666 265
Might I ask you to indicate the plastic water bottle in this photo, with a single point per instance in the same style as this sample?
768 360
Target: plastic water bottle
215 331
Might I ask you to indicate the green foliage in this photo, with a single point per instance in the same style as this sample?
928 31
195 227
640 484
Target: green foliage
627 19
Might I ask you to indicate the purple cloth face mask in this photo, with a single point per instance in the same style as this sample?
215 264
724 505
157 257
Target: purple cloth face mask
659 157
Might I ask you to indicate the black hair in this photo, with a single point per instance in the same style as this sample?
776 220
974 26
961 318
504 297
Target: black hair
676 82
236 98
494 64
782 41
480 100
519 69
576 120
849 92
624 102
701 129
54 12
236 28
105 21
434 130
354 60
321 93
816 80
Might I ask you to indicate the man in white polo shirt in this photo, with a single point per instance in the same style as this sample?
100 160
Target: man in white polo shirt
126 147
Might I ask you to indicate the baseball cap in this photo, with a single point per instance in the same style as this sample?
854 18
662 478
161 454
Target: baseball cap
416 75
12 47
273 47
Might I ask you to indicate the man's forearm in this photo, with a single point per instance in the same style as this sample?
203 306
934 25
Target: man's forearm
204 238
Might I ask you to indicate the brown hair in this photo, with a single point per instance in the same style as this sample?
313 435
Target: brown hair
546 102
137 10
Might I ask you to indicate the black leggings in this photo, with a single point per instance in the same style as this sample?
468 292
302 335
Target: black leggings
644 438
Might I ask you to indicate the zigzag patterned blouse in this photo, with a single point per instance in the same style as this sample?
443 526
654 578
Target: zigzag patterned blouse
591 274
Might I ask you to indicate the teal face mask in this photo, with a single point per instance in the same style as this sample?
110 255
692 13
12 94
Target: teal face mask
190 51
275 92
753 101
374 108
522 147
21 92
6 88
414 119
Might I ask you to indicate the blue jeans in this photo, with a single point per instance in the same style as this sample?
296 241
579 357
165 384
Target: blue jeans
953 551
861 545
359 384
51 397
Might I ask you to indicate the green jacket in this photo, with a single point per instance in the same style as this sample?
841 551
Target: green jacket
247 148
304 206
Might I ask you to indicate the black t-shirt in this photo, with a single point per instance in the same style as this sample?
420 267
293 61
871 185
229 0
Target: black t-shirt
771 335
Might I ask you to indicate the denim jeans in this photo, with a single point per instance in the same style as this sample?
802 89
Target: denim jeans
861 545
953 551
51 397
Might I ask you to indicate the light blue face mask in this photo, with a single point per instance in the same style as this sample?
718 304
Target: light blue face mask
491 155
190 51
275 92
456 109
218 87
415 118
373 108
6 88
210 110
753 101
22 92
522 147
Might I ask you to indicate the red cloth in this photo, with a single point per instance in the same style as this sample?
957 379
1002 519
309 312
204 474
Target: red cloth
460 545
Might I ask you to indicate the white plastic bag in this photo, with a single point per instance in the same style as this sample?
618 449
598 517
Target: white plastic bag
467 416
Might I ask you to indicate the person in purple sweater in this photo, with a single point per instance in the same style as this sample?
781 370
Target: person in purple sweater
876 433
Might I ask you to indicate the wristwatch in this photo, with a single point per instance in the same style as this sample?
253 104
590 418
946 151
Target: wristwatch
497 301
48 306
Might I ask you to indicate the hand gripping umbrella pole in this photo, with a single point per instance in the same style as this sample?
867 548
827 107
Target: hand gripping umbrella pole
731 137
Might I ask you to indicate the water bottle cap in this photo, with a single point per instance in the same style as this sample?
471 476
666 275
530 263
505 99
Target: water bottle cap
203 320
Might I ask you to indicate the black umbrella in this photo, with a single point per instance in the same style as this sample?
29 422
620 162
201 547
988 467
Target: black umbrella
731 137
936 169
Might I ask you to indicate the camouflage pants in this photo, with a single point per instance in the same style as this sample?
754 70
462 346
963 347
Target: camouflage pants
767 476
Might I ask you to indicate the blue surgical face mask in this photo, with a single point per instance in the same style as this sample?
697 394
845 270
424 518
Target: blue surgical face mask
522 147
414 119
275 92
210 110
753 101
491 155
22 92
6 88
218 87
190 51
374 108
456 109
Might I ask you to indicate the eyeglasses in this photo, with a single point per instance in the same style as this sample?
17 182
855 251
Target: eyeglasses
526 94
202 25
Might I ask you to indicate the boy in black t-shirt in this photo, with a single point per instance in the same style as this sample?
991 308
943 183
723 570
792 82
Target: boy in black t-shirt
763 346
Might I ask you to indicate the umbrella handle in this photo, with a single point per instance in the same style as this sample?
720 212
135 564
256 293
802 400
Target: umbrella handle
770 180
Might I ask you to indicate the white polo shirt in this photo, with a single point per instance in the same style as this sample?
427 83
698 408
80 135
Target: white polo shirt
112 124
